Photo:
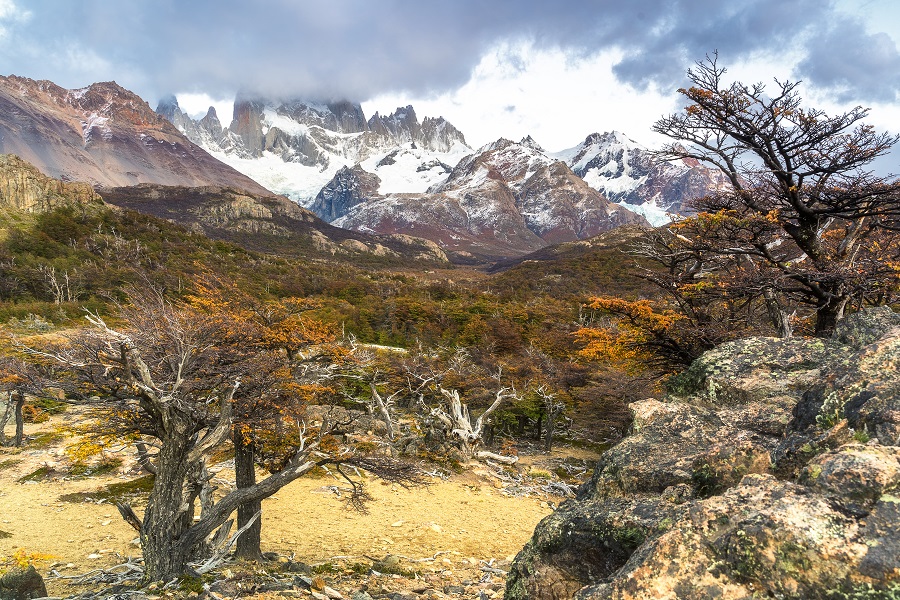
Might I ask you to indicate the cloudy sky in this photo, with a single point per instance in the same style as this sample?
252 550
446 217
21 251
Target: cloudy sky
557 70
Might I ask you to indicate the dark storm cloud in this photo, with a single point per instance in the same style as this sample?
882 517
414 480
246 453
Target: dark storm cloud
854 63
358 48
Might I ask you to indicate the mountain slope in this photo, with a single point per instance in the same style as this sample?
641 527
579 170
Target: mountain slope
104 135
507 199
270 224
295 147
627 173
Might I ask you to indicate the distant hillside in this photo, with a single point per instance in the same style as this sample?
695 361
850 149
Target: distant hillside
270 224
103 135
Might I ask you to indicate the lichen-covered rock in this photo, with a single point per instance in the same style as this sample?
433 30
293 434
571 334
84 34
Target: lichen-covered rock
588 541
861 386
22 584
856 476
677 443
763 538
753 370
691 488
860 329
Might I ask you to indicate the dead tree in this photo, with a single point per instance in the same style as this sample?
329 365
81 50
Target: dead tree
552 409
170 373
18 378
466 431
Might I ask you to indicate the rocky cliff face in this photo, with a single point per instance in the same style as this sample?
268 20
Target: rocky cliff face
626 172
295 147
507 199
23 188
103 135
348 188
269 223
772 472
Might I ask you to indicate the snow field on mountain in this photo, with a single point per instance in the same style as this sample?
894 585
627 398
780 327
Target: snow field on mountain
298 182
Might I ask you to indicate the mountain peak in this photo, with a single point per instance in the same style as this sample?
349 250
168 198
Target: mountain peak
529 142
167 106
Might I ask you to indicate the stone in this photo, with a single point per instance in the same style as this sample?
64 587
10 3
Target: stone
22 584
688 504
299 567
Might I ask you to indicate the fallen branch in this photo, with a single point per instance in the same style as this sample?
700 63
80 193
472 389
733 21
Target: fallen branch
506 460
216 559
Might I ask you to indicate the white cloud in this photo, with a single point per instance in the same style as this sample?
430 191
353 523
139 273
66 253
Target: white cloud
10 13
196 105
556 97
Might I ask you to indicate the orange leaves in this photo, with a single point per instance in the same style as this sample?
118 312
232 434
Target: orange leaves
624 337
11 380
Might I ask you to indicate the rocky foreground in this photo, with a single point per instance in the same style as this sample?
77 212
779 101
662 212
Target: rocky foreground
771 471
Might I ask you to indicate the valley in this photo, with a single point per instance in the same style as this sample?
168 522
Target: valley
311 353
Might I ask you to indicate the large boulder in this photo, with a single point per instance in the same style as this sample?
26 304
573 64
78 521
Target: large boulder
763 538
771 470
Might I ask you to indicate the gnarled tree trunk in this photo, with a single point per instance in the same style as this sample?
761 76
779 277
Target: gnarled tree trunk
248 543
166 518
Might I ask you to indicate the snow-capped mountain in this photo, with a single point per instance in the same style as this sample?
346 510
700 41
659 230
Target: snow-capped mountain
296 147
506 199
104 135
627 173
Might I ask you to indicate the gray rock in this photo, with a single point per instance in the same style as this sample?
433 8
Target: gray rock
865 327
22 584
686 506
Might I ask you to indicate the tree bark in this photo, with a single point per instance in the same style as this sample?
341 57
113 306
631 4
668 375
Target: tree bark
828 314
164 523
779 317
20 419
7 412
548 436
248 544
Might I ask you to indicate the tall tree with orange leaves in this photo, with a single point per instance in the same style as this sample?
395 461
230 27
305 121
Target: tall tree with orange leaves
805 224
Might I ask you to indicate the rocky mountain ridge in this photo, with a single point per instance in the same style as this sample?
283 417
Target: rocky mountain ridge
271 224
103 135
24 189
628 173
770 470
506 199
295 147
266 223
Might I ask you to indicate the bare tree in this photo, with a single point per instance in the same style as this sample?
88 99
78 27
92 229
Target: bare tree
171 374
466 430
63 287
18 378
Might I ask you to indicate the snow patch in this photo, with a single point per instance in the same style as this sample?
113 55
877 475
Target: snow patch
655 215
87 127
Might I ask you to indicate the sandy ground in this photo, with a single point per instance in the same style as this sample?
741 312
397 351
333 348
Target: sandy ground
466 518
